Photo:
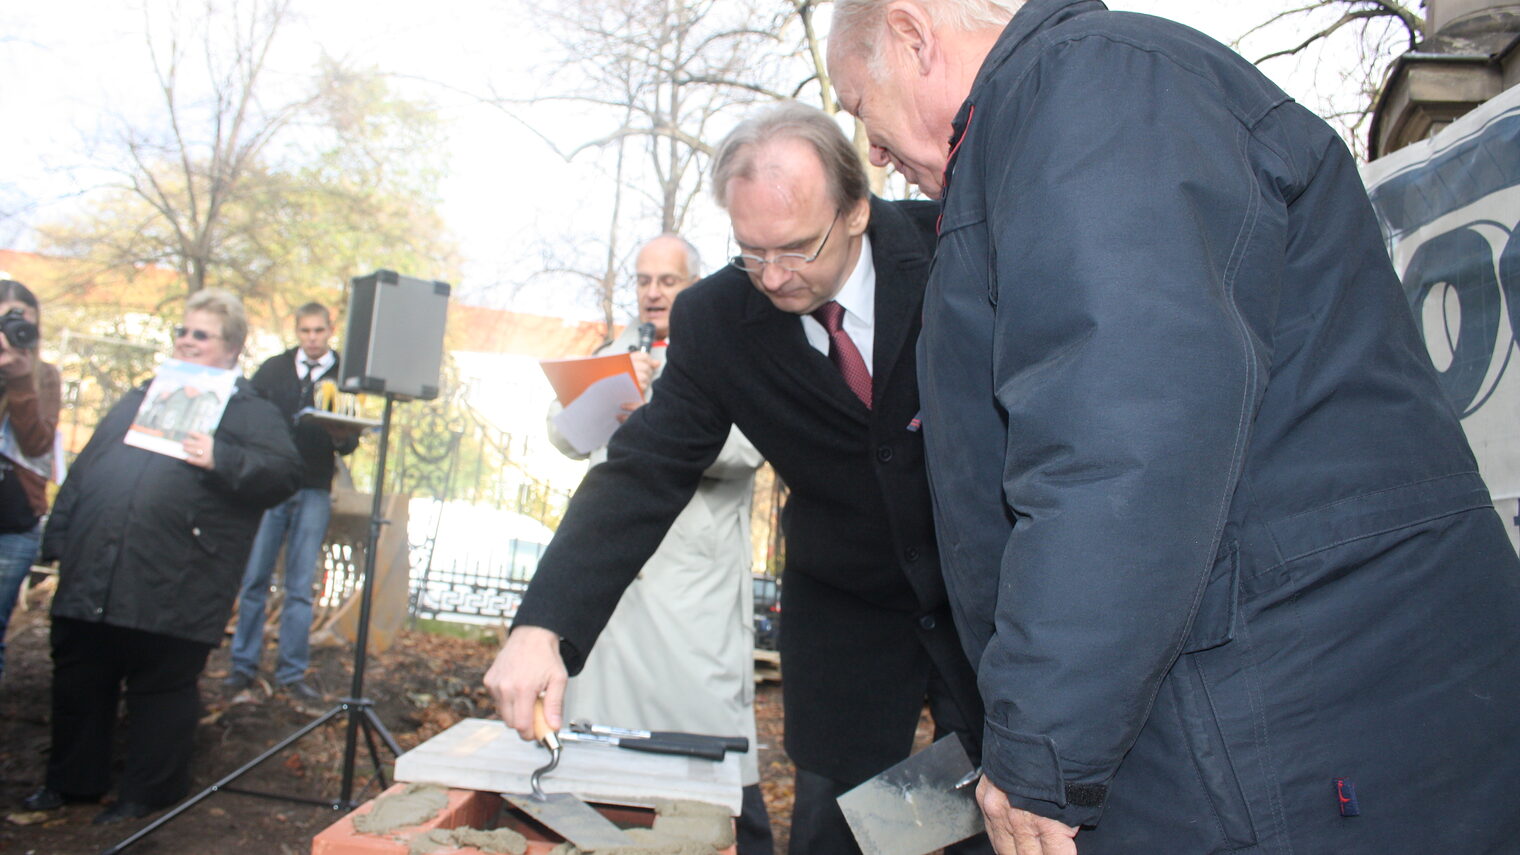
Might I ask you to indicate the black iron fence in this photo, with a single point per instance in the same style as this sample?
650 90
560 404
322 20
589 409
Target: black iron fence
479 517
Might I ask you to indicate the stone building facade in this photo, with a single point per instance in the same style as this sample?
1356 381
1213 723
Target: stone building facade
1471 53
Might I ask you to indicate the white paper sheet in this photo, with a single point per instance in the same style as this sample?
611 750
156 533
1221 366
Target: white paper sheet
591 418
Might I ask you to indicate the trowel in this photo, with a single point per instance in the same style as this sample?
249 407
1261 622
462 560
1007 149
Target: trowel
920 805
656 742
564 813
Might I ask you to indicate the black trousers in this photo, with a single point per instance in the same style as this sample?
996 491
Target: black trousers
91 663
753 830
819 826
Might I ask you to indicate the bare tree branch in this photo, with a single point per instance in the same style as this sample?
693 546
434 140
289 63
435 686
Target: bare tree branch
1376 31
1326 32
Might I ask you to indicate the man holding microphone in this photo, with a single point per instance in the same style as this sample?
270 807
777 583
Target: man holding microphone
678 652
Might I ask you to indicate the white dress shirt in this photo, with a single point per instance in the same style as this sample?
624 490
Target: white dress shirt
324 363
858 297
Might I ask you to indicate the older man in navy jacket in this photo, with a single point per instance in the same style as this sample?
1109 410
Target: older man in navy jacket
1213 536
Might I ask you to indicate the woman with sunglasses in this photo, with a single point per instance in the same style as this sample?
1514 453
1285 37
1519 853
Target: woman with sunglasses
151 551
29 404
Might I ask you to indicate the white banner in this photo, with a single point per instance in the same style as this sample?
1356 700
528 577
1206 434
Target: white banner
1449 207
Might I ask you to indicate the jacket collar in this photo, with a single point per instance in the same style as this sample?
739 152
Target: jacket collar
1032 18
898 250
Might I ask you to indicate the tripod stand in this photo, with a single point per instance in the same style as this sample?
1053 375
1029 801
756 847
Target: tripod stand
359 709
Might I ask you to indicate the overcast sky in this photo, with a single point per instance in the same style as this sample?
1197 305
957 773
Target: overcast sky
70 67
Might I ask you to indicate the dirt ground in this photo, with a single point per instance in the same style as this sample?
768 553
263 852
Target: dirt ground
414 698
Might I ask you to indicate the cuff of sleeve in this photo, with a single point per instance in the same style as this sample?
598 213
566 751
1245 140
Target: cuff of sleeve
569 653
1028 770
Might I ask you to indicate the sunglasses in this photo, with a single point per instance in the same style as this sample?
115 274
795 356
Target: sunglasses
180 331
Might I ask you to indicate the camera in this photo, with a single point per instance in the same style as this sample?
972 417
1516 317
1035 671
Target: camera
20 332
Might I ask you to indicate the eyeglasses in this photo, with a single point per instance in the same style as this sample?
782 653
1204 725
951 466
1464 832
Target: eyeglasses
788 261
180 331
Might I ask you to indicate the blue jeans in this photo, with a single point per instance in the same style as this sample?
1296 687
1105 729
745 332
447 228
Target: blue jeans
304 517
17 552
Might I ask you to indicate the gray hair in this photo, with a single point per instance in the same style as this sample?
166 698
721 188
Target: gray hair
861 22
735 156
693 258
225 304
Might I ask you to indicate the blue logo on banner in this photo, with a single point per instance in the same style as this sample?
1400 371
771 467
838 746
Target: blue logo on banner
1462 259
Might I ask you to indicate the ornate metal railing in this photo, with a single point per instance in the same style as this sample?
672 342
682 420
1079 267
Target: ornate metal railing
479 517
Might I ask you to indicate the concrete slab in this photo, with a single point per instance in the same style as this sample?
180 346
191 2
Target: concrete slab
481 754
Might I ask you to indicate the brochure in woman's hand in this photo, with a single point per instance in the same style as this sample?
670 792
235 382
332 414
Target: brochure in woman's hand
184 397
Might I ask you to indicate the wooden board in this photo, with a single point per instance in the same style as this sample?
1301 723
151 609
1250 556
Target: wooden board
767 666
481 754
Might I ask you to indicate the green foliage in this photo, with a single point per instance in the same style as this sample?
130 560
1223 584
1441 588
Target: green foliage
346 185
97 371
359 193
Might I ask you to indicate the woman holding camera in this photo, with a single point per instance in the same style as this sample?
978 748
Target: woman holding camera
29 404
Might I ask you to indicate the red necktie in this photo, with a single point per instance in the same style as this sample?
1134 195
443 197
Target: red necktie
842 351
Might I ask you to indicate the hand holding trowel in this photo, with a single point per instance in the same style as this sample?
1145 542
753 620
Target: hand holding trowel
564 813
922 804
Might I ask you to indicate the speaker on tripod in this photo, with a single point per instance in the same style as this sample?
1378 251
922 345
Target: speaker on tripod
394 342
393 347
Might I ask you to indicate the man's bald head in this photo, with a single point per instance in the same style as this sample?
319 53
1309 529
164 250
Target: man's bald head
844 175
796 241
664 267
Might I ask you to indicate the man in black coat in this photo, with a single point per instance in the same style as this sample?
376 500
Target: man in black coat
1213 534
867 635
300 522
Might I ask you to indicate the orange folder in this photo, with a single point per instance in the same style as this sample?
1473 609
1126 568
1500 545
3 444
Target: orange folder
570 377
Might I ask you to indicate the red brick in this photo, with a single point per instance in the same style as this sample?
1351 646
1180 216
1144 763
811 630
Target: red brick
465 808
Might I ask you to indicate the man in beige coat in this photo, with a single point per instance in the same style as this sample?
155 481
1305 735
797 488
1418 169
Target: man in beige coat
678 653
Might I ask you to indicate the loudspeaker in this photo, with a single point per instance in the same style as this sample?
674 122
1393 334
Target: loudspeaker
394 342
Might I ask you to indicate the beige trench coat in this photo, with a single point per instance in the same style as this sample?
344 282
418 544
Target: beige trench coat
678 653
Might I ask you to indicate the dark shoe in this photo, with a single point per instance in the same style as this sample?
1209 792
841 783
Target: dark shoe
299 691
237 681
47 798
43 799
122 810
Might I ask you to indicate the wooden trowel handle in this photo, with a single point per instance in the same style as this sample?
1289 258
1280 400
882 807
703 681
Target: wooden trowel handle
541 729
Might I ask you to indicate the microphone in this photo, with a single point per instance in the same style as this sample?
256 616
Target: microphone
646 337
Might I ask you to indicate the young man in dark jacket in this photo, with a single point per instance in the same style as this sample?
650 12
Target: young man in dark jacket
1213 535
289 380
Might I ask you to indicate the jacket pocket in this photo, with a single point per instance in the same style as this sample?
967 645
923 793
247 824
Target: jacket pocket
1210 754
963 244
1219 606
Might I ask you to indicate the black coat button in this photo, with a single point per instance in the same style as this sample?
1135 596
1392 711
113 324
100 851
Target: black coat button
927 622
884 453
911 553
